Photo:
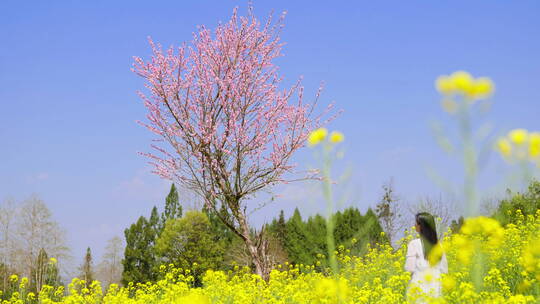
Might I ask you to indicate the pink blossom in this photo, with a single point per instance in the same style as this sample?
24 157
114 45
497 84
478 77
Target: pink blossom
227 126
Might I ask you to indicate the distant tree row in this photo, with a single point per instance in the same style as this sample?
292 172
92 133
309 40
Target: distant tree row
198 240
33 245
29 238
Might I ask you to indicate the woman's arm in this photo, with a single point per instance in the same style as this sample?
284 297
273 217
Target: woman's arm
412 255
443 264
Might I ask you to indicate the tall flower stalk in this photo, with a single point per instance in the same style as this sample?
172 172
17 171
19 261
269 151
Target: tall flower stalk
327 143
460 93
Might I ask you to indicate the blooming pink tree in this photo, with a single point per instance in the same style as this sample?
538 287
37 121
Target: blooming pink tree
228 130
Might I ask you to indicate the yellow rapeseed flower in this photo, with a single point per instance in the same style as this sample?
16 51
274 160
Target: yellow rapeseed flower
317 136
483 87
504 147
520 299
336 137
534 144
332 289
445 85
194 299
24 282
518 136
53 261
484 226
31 296
435 255
13 278
463 81
531 258
448 283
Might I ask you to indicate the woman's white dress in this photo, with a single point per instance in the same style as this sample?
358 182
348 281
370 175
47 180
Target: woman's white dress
424 276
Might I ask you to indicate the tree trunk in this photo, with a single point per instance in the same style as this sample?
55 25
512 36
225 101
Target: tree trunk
258 249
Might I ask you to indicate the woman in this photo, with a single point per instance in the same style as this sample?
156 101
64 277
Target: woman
425 276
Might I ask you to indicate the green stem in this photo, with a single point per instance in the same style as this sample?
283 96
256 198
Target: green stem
470 162
327 192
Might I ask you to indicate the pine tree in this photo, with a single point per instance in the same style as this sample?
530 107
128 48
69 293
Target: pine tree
153 229
281 227
152 232
87 268
173 208
278 228
347 224
374 228
304 240
316 233
296 241
138 262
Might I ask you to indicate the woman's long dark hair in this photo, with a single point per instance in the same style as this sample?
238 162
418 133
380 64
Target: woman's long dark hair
428 232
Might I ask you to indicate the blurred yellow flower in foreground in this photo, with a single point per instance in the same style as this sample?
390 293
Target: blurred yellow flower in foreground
462 80
521 145
531 258
534 144
484 226
332 290
504 146
518 136
321 134
194 299
53 261
463 83
317 136
445 85
336 137
483 87
435 255
448 283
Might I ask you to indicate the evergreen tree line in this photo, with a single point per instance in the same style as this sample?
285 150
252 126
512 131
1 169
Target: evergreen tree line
198 240
305 240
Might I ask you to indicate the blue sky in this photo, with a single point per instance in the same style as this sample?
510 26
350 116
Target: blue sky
69 107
